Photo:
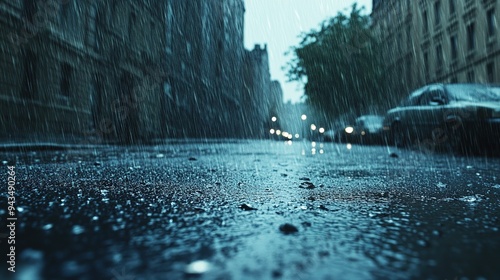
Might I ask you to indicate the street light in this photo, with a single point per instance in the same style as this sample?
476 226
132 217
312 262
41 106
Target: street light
274 119
304 133
313 127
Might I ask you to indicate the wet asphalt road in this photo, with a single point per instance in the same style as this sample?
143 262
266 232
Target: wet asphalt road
218 210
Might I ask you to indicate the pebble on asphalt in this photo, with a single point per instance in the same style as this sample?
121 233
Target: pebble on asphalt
288 228
307 185
197 267
323 207
247 207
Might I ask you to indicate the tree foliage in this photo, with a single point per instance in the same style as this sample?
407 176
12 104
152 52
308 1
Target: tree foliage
340 66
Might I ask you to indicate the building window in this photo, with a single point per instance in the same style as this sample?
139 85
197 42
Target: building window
425 23
169 28
400 42
390 49
490 15
470 76
426 65
69 18
454 47
131 24
409 41
28 89
66 74
490 72
409 74
29 10
64 12
452 6
439 58
92 39
437 13
96 102
471 37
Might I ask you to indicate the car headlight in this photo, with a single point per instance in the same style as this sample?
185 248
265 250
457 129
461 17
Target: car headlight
349 129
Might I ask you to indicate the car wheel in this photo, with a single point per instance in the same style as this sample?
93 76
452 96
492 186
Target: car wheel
399 136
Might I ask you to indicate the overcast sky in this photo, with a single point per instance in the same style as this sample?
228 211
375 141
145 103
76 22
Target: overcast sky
278 23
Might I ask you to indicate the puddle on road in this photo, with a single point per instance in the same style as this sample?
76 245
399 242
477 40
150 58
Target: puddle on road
171 212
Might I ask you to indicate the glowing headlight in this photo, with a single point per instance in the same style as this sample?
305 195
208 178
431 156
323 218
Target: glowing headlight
349 129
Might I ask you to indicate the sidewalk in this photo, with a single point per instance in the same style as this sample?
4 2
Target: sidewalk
44 144
60 143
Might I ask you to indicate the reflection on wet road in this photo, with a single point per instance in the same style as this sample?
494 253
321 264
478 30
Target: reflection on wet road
214 210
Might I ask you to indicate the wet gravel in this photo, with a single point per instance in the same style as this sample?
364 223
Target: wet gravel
254 210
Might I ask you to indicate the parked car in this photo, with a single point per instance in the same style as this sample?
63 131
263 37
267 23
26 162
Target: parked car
329 136
336 134
367 129
344 134
458 117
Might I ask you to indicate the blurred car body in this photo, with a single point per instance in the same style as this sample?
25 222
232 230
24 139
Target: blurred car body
329 136
367 129
338 135
459 117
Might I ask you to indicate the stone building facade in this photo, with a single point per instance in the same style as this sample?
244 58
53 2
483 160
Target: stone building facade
429 41
41 68
257 92
276 99
213 82
128 71
205 61
81 69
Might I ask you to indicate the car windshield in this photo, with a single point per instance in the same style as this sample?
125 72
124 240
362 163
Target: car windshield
370 122
474 93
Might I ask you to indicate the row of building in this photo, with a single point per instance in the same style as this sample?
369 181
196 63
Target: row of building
130 71
438 41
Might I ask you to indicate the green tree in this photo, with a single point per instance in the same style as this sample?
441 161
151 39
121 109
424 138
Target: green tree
340 66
